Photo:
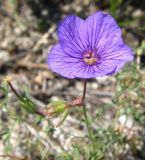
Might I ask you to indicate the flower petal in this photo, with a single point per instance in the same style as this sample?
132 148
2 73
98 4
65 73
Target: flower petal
102 31
121 55
71 35
89 71
60 62
104 68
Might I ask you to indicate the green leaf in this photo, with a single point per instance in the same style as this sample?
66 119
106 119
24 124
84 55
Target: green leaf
28 105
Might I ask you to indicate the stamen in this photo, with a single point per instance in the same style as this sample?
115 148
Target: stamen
89 58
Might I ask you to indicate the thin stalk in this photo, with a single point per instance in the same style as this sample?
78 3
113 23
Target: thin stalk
84 90
86 117
14 91
21 98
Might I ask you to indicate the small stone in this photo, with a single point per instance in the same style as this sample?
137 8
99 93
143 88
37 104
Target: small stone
137 13
4 55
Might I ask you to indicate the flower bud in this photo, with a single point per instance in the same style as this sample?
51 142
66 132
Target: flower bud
54 109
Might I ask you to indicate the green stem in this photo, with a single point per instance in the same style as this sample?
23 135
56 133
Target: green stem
86 117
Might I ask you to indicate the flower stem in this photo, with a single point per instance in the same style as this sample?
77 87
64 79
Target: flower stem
86 117
14 91
84 90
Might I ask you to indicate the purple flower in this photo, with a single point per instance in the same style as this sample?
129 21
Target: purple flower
89 48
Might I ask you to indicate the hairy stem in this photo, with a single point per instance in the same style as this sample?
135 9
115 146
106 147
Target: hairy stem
86 117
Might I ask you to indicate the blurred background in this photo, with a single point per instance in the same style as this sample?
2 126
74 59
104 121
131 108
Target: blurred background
27 33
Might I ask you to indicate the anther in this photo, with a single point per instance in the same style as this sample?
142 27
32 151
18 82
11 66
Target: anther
89 58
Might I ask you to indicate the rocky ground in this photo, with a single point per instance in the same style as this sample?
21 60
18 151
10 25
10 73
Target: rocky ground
27 32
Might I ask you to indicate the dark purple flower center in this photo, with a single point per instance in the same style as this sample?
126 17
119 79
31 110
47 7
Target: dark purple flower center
89 58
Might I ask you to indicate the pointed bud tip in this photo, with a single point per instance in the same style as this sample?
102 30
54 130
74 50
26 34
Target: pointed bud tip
7 79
